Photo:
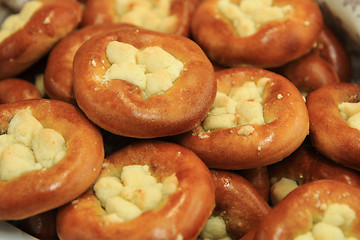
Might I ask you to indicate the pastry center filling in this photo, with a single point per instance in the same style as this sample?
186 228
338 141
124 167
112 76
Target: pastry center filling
16 21
280 188
351 113
27 146
240 107
150 14
248 16
214 229
133 192
333 224
152 69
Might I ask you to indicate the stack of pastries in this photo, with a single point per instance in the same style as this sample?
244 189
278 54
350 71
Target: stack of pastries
177 119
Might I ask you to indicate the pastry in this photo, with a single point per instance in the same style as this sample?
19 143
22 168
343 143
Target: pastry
15 89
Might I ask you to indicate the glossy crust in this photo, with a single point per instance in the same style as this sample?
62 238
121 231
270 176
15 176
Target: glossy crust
238 202
181 216
54 20
329 132
119 107
99 12
58 79
294 214
41 190
274 44
259 178
286 125
15 89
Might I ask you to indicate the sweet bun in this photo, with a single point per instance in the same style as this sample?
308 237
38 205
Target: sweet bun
50 22
16 89
168 16
46 187
331 133
264 39
59 67
243 138
179 216
311 211
122 105
259 178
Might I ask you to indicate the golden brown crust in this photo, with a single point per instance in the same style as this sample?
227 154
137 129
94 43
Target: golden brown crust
294 214
181 216
59 68
42 190
119 107
238 202
49 24
100 12
259 178
15 89
286 125
274 44
329 132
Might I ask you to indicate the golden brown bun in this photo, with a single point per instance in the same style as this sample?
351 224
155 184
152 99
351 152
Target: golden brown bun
274 44
27 45
238 202
286 125
119 107
181 216
295 213
330 134
41 190
59 68
15 89
99 12
259 178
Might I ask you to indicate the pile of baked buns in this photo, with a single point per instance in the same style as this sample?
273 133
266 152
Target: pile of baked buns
178 119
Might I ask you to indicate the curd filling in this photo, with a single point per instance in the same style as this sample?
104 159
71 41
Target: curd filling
28 146
214 229
351 113
281 188
154 15
332 225
152 69
16 21
135 191
241 107
248 16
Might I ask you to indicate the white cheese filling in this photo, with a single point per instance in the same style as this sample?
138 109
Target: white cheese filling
248 16
16 21
214 229
150 14
28 146
152 69
133 192
280 188
351 113
241 107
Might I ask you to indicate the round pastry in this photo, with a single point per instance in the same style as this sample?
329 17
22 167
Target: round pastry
239 207
323 209
257 33
306 165
125 202
15 89
167 16
258 118
139 83
334 131
43 154
259 178
27 36
59 68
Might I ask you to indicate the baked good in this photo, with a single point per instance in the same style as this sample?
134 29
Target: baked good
59 67
16 89
258 118
139 83
43 155
29 35
167 16
323 209
180 213
238 206
306 165
259 178
333 118
258 33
